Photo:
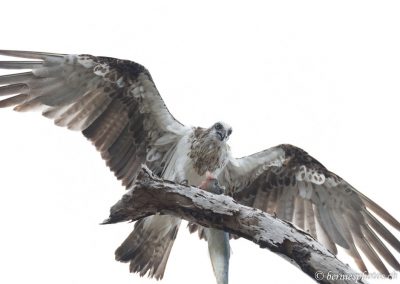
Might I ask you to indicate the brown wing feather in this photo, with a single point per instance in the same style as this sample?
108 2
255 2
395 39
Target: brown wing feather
114 102
118 108
298 188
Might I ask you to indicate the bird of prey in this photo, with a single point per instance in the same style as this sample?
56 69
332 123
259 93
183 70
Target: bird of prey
117 106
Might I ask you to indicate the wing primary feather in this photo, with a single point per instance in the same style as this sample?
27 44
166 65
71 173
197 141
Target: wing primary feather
30 54
353 252
380 211
382 230
16 65
40 95
346 225
16 78
371 254
55 112
13 89
13 100
361 242
373 239
46 95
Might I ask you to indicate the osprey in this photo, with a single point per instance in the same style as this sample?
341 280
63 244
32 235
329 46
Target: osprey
116 105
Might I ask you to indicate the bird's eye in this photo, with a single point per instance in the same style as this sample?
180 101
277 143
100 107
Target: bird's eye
218 126
229 131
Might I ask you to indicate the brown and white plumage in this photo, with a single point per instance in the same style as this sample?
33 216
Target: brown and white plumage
286 181
113 102
118 108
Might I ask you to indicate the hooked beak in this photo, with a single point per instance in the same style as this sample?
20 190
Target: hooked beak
221 135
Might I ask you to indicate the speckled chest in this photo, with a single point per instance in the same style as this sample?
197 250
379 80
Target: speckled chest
206 154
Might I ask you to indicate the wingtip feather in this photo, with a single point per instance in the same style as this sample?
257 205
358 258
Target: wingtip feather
380 211
29 54
18 99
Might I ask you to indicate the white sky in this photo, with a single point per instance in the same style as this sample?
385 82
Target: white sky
322 76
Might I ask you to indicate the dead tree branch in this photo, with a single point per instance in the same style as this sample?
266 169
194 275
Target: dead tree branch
152 195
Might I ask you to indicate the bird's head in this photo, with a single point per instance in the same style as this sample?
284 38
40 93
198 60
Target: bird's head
221 131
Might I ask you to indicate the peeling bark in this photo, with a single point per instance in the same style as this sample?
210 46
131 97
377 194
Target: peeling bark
152 195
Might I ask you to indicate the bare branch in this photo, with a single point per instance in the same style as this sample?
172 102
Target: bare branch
152 195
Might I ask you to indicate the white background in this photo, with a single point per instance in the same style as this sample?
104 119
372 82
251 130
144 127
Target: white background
322 76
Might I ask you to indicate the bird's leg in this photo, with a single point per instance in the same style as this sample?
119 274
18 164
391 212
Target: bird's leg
211 184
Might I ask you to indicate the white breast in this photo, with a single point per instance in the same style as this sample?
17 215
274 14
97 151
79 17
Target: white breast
180 166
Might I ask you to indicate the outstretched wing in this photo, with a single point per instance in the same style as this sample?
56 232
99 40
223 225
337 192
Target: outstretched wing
113 102
286 181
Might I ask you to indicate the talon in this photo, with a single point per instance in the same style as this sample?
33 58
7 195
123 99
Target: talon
219 189
216 188
211 184
184 182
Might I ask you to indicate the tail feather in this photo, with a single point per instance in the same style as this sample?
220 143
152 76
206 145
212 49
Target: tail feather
193 227
163 262
148 247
